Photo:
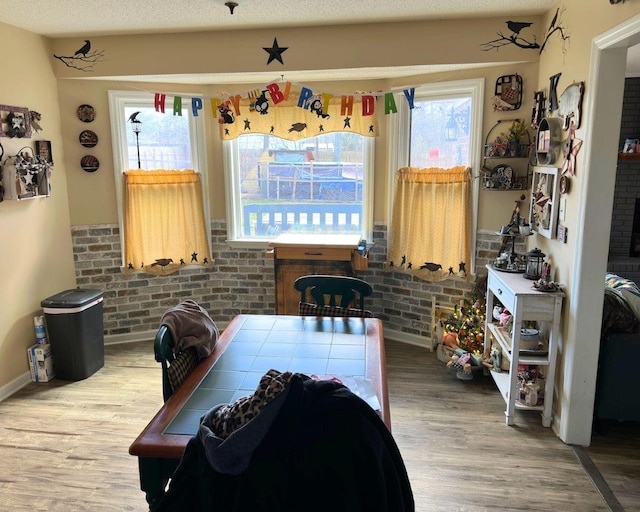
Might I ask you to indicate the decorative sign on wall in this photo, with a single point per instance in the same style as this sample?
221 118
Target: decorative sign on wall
14 122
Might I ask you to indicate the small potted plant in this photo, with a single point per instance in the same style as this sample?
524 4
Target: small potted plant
516 132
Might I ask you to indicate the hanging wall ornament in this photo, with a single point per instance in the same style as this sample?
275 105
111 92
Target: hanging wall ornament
275 52
570 105
537 110
508 93
570 150
86 113
88 138
34 120
89 163
553 92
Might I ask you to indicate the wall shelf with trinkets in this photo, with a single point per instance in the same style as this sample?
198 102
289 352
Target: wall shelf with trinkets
506 162
26 176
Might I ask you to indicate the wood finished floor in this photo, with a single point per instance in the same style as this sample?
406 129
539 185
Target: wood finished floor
64 445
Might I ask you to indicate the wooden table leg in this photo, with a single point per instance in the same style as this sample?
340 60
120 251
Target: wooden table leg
154 475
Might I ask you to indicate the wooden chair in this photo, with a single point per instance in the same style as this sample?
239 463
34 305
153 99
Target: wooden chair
175 367
333 295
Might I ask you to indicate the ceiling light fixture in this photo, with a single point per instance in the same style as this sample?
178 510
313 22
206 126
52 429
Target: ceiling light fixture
231 6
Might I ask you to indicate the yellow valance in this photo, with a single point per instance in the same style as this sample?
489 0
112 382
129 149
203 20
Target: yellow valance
294 113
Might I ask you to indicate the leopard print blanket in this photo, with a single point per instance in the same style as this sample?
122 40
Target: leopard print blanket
231 417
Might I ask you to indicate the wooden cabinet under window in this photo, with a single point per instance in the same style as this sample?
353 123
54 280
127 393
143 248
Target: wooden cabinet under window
299 255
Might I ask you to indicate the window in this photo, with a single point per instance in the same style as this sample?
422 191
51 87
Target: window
162 155
320 184
443 130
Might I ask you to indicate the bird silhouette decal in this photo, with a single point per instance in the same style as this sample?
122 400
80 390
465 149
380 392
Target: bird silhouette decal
133 118
554 20
297 127
431 267
163 262
517 26
84 49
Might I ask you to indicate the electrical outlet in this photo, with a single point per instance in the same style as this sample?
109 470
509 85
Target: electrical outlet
562 210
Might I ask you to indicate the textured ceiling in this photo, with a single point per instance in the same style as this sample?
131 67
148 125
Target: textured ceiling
85 18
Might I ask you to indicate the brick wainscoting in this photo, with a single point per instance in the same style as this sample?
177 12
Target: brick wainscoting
242 281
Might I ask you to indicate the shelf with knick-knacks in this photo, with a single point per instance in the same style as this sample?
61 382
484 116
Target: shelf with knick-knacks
26 176
506 156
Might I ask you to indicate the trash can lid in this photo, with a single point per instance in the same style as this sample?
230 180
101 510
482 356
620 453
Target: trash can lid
71 298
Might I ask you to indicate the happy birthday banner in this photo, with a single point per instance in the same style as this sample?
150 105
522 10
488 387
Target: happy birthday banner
292 111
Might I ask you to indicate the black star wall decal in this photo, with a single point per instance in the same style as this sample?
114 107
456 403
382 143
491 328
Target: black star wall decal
275 52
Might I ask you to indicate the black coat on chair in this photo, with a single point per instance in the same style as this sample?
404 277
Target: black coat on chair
325 450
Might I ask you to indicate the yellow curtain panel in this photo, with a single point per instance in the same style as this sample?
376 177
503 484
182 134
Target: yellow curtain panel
164 221
430 233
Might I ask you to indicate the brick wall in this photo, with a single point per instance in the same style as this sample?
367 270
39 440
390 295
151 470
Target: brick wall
242 281
627 190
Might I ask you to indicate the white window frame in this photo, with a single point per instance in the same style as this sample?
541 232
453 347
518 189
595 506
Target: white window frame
235 235
399 136
118 101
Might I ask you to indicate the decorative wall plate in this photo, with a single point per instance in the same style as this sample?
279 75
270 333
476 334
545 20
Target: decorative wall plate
89 163
88 138
86 113
564 184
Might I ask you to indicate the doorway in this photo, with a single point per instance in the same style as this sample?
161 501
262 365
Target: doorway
606 79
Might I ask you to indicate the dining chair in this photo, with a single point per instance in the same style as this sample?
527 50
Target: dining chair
175 367
333 295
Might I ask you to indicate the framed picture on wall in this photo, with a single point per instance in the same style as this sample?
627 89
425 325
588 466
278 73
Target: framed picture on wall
545 196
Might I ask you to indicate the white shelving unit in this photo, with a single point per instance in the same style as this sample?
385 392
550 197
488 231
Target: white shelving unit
525 304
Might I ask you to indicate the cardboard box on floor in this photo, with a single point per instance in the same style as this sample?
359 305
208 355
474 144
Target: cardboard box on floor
41 362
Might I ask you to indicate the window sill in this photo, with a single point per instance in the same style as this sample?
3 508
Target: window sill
248 244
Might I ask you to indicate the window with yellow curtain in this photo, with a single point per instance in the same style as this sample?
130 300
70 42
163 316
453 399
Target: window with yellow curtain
164 222
160 173
430 232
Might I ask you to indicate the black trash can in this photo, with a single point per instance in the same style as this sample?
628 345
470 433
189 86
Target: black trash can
76 332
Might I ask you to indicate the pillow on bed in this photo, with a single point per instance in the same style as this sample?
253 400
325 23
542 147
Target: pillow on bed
627 289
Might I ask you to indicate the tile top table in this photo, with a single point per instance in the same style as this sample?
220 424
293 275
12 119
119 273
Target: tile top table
246 350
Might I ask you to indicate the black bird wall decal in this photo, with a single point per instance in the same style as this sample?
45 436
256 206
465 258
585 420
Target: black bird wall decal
554 20
517 26
84 49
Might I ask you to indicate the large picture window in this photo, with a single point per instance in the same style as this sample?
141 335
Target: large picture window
320 184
